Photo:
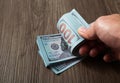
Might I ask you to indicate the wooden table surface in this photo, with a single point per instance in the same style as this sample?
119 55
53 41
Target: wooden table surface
22 20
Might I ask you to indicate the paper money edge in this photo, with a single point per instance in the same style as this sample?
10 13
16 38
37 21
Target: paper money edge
79 16
69 66
41 54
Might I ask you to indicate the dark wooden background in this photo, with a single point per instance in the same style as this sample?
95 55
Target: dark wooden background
22 20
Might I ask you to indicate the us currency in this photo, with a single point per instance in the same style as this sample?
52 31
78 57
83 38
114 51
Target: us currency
60 67
53 49
68 25
58 50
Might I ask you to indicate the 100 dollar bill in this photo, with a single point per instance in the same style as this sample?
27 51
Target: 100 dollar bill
54 49
68 25
60 67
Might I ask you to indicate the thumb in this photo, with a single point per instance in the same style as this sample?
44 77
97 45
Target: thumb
88 33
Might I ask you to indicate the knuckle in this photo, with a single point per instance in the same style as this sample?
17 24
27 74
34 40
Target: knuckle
101 18
100 21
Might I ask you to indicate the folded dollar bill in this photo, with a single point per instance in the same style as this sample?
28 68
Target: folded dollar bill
59 51
53 49
60 67
68 25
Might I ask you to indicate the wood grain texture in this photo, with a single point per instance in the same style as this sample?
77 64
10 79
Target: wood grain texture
22 20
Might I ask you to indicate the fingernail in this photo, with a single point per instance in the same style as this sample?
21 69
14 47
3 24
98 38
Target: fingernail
82 29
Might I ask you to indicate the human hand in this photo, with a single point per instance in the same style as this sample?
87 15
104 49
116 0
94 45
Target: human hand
102 34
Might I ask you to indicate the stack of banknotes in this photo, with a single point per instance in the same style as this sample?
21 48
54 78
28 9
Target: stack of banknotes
60 51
